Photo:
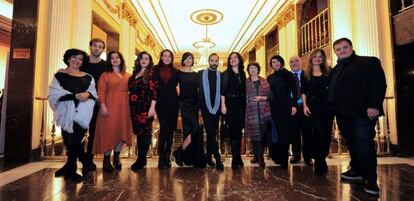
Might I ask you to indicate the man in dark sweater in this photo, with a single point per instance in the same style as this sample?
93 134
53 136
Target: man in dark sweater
356 92
209 102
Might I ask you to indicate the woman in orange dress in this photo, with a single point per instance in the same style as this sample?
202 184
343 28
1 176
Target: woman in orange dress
113 126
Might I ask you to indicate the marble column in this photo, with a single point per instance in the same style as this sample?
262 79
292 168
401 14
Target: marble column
341 21
124 41
20 84
82 24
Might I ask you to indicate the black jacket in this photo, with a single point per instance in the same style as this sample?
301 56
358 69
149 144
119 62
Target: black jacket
360 85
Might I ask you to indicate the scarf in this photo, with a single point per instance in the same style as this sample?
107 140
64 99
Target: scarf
206 86
65 113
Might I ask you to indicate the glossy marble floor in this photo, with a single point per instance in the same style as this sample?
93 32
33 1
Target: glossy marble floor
35 181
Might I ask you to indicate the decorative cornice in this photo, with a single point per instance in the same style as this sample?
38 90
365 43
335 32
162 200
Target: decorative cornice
259 42
245 57
113 9
287 15
128 14
149 42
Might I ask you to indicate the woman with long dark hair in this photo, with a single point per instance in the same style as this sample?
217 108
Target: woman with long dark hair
315 106
142 100
191 151
257 111
113 126
72 97
233 104
283 106
166 80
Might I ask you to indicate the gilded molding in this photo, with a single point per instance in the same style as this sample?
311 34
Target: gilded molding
259 42
245 57
113 9
149 42
128 14
287 15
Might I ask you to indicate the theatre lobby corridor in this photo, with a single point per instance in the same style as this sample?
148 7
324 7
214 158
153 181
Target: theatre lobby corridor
225 99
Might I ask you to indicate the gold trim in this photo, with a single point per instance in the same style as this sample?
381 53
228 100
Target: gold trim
206 16
259 42
152 26
128 15
251 11
169 27
162 25
247 44
249 25
111 9
287 15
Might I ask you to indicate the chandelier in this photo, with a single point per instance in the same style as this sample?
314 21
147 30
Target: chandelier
205 17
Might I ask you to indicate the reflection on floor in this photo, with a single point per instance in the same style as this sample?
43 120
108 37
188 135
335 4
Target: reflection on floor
35 181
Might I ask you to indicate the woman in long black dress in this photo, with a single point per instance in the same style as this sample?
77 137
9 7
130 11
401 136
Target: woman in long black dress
233 104
166 80
72 96
315 105
191 151
142 100
282 105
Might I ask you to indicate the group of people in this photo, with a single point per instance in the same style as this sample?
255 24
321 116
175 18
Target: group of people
297 105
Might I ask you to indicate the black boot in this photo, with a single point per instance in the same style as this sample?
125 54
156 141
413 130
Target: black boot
167 160
178 156
107 166
238 152
210 161
117 162
70 173
139 164
262 163
161 162
236 159
61 171
92 166
219 164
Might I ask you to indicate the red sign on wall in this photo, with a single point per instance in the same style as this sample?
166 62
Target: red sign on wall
21 53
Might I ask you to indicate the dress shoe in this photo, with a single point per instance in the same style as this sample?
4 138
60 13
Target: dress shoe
61 171
178 156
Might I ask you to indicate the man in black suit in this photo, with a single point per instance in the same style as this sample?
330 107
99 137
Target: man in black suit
209 105
301 136
356 92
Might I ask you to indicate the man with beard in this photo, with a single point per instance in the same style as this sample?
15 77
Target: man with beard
209 105
94 66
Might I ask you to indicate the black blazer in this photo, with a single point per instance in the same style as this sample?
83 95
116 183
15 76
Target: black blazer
360 86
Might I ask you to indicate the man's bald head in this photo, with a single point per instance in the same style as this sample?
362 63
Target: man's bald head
294 62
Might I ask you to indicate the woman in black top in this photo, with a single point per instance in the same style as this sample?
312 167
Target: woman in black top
72 97
191 151
315 105
282 105
233 103
142 100
166 80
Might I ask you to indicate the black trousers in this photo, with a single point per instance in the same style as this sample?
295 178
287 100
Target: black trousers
321 122
143 143
359 134
92 126
258 149
167 113
235 121
211 122
73 143
301 135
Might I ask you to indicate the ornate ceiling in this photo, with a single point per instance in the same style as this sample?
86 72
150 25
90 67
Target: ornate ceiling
170 22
